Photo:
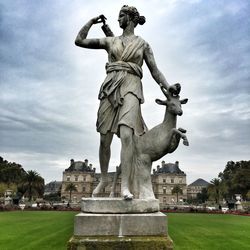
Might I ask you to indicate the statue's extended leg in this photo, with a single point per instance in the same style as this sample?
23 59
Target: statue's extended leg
104 157
126 135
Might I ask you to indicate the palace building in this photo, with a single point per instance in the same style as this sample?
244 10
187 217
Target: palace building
196 187
84 177
164 179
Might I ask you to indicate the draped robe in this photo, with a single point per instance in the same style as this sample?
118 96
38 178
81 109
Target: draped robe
121 92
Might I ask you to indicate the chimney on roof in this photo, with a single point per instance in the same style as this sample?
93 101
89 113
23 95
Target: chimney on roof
162 163
158 167
94 170
86 162
90 165
177 163
154 171
72 162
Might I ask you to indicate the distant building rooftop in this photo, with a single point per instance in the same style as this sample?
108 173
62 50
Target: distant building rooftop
82 166
168 168
52 187
199 182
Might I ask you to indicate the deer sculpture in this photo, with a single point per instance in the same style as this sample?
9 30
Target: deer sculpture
162 139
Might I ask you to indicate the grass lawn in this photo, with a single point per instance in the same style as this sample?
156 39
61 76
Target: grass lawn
51 230
34 230
209 231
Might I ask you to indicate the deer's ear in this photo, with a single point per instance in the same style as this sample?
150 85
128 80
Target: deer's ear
184 101
160 102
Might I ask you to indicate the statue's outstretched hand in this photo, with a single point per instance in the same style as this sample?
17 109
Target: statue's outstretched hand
174 89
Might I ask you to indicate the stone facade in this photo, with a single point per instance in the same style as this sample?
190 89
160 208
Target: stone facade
196 187
52 187
164 179
85 179
82 175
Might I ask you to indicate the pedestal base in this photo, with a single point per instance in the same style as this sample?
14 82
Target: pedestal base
120 243
115 224
119 206
120 224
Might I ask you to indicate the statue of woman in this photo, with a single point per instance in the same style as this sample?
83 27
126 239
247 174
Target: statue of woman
121 92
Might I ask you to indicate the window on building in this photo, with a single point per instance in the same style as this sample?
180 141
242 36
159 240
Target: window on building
68 178
84 178
164 180
180 180
83 189
164 200
172 180
76 177
164 190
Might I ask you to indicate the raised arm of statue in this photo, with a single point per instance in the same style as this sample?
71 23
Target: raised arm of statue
82 41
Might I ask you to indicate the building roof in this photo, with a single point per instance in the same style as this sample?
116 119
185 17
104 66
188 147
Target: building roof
52 187
199 182
168 168
82 166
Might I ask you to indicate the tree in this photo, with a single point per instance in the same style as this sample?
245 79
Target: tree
70 187
177 190
236 178
53 196
10 172
33 185
14 177
215 189
202 197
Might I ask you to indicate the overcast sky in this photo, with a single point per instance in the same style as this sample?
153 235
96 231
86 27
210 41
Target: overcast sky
49 87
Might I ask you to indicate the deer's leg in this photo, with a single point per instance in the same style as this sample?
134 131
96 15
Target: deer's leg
183 136
104 157
117 173
126 135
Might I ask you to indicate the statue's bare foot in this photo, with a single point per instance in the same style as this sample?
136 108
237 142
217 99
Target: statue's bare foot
127 195
102 184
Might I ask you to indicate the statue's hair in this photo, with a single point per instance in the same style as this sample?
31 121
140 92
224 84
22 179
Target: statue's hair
134 14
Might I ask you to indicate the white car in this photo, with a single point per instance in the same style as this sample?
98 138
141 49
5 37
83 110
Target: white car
224 209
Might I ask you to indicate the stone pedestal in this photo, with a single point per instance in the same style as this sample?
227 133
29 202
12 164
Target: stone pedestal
119 206
111 224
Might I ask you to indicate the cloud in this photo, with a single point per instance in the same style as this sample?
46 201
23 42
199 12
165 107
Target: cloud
49 87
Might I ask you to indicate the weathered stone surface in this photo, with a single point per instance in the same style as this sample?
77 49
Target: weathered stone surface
87 224
119 243
122 88
119 205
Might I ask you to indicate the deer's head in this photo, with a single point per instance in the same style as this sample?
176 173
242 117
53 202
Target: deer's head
172 103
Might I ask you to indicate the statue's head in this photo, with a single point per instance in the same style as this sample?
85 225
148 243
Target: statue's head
133 14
